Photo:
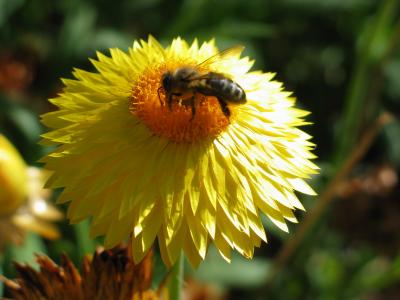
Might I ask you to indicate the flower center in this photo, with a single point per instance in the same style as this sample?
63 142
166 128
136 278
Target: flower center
178 123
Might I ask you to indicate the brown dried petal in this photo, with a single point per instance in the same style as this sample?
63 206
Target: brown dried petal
110 274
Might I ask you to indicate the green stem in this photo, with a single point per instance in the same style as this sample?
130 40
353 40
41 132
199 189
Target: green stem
176 279
85 244
1 273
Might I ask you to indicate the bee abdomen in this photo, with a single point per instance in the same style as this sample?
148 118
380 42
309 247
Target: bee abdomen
228 89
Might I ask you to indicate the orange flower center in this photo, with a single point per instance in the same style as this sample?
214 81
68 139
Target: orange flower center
149 104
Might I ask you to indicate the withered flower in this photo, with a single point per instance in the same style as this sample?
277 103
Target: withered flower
109 274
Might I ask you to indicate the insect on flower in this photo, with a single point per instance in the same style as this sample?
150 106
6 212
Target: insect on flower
191 81
181 160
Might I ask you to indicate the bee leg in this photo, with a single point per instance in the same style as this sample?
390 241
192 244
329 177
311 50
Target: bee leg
159 97
170 99
192 104
224 107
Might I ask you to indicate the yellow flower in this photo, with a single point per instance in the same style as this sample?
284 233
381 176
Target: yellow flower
23 201
13 177
136 166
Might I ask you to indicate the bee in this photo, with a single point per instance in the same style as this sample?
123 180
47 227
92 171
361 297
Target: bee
190 80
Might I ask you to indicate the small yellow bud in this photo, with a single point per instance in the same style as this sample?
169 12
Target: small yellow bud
13 178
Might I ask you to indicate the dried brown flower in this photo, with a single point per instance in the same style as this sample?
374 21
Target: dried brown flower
109 274
195 290
371 201
16 74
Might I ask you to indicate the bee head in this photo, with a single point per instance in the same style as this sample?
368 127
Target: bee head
167 81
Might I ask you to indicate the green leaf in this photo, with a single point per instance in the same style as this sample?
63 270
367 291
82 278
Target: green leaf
26 252
77 31
85 244
245 30
240 272
391 71
23 128
391 133
109 38
7 7
326 270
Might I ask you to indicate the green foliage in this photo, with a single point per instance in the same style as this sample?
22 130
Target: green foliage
33 245
342 60
391 134
239 273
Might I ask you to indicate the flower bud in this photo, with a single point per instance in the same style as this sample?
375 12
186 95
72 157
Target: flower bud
13 178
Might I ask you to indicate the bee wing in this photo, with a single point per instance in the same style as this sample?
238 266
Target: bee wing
222 55
206 76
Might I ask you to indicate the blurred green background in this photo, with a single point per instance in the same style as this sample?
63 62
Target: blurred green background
340 58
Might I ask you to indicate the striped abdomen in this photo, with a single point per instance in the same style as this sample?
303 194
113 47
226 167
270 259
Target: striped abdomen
224 88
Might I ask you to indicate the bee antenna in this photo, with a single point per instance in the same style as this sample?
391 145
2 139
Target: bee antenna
159 98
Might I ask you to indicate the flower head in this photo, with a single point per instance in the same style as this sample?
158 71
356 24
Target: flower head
23 201
138 162
13 178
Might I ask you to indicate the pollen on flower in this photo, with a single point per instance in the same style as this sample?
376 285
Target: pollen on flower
148 103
